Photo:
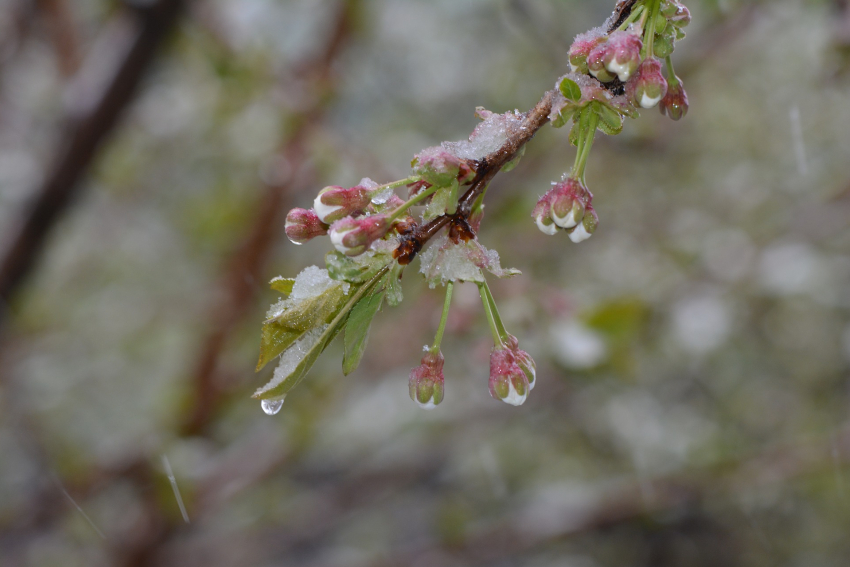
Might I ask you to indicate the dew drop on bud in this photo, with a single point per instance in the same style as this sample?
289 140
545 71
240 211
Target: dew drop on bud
271 407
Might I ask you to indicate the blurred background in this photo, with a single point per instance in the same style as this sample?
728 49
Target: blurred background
693 356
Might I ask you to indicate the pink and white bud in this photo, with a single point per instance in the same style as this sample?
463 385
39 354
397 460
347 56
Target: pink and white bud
353 236
650 86
334 202
675 102
596 63
523 360
508 382
542 215
302 225
582 45
568 201
426 382
587 227
620 56
437 166
681 17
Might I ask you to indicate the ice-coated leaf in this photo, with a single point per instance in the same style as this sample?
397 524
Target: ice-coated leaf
446 261
357 269
439 203
394 291
296 318
358 324
297 360
569 89
282 285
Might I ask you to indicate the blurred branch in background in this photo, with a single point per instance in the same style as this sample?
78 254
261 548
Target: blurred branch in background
96 98
63 34
288 171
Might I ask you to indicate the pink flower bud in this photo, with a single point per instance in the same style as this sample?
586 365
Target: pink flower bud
427 383
587 227
523 360
582 45
303 225
650 86
681 17
542 215
620 56
335 202
353 236
437 166
568 201
675 102
508 382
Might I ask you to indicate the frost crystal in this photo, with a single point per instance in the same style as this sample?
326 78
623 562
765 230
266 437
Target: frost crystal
292 357
488 136
445 261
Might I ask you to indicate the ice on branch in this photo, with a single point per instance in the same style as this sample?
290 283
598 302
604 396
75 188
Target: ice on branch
447 261
488 136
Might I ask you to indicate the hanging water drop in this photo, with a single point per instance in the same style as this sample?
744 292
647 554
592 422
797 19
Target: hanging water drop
271 407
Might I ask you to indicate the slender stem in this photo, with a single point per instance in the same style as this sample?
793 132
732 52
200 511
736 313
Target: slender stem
443 318
497 339
649 38
500 326
587 131
421 196
632 17
396 184
672 79
588 142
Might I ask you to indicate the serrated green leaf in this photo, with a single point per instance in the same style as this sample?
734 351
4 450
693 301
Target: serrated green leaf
610 121
439 203
357 327
282 285
355 270
333 328
574 133
281 331
394 291
570 89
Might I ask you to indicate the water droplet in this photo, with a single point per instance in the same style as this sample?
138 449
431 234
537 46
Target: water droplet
271 407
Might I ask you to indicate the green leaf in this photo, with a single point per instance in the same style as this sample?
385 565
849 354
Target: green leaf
355 270
357 327
394 292
514 162
294 320
610 121
570 89
282 285
279 388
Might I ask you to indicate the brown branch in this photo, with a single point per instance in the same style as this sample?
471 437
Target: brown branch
63 34
100 93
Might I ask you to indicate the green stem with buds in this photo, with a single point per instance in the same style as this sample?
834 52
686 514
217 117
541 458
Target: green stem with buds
419 197
443 318
587 131
483 292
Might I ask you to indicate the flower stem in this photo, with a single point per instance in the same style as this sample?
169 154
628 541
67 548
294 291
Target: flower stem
672 79
396 184
587 131
649 38
421 196
500 326
632 18
497 339
443 318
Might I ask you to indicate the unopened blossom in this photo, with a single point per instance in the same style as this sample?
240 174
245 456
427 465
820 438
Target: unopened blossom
542 215
334 202
649 85
678 15
675 102
523 360
619 56
568 200
353 236
438 166
508 382
426 382
587 227
580 48
303 225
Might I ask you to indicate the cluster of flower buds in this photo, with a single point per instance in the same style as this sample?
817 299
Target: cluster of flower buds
426 382
509 382
618 57
567 205
354 235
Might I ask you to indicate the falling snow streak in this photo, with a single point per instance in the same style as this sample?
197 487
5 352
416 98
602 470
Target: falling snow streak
79 509
174 488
